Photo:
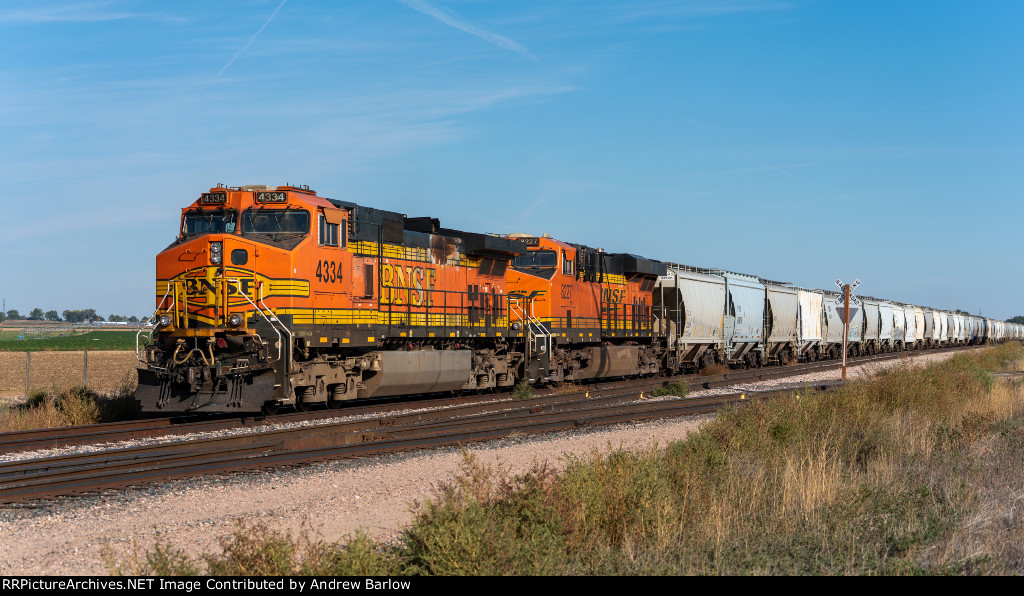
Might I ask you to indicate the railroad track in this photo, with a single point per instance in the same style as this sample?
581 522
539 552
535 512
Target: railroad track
86 472
459 421
50 438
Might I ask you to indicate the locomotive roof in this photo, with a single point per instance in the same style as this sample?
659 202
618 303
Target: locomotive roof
369 223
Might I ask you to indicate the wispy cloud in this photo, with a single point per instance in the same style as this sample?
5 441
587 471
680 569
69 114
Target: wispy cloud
78 12
701 8
251 40
453 21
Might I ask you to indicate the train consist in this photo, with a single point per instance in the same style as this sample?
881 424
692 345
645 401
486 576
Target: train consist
275 296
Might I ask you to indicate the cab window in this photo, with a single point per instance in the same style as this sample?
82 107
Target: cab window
536 259
204 221
275 221
332 234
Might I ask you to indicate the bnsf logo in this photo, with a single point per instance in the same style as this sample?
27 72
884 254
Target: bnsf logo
614 296
202 287
408 284
518 295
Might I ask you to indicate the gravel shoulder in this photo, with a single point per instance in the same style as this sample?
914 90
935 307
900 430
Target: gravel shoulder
67 537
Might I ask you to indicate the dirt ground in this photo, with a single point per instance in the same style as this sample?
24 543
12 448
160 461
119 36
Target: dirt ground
48 370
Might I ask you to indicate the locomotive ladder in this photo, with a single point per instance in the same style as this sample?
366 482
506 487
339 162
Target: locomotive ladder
534 328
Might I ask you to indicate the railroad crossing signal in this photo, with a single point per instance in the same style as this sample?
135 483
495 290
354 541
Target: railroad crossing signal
846 309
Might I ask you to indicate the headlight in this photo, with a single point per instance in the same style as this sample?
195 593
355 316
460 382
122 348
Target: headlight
517 325
215 258
165 320
235 320
215 247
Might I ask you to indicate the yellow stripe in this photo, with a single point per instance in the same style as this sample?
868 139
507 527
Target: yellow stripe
408 253
308 316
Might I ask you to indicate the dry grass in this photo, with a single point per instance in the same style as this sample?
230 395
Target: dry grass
565 387
714 369
71 406
916 470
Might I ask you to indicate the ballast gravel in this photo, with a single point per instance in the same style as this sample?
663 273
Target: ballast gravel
377 495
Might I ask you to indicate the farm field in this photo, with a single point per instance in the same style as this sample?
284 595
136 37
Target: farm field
51 340
108 371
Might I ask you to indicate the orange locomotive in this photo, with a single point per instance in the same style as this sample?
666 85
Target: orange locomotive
588 313
275 296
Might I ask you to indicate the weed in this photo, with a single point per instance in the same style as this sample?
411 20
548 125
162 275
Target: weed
70 407
713 369
679 388
523 390
565 387
163 558
914 471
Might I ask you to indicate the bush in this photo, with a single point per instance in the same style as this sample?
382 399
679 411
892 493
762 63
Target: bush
679 388
69 407
523 390
713 369
879 477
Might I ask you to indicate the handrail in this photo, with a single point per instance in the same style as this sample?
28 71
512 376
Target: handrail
534 326
269 322
152 327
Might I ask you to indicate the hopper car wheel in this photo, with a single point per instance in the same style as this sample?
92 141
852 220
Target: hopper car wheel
270 408
301 406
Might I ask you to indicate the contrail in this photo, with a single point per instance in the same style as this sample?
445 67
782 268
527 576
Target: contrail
447 19
251 39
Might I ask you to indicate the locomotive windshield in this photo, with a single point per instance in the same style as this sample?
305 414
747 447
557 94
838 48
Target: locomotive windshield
275 221
201 222
536 259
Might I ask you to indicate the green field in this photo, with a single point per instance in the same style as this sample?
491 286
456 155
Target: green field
106 339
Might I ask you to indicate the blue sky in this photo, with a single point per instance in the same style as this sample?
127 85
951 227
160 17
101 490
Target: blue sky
800 140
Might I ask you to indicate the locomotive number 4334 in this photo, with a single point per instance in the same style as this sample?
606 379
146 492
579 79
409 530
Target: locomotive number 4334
328 271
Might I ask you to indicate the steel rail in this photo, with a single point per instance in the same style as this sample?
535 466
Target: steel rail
121 468
39 439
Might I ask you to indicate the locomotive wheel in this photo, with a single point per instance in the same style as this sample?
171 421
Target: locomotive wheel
301 406
270 408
